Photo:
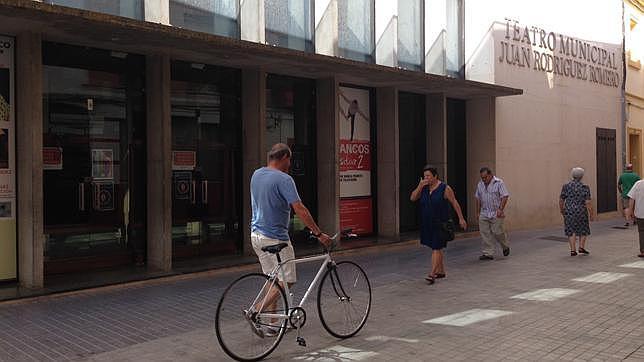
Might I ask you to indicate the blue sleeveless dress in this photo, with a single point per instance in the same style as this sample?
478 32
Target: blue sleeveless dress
434 209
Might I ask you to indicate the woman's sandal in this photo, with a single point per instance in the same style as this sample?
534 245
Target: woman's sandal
583 251
430 279
439 275
573 253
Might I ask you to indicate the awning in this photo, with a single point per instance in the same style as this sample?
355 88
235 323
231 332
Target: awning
81 27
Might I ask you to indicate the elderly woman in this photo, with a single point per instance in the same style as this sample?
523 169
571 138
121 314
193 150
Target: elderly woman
435 197
577 209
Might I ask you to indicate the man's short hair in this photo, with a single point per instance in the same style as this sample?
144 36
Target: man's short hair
279 151
486 169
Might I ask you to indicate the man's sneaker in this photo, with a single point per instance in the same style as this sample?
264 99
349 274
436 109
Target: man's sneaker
506 251
256 328
486 257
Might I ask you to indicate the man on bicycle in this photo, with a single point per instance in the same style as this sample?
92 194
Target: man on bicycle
273 193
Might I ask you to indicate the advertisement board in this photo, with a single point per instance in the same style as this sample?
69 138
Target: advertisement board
356 204
7 161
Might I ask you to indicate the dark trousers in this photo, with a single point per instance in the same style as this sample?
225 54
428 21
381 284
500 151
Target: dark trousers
640 229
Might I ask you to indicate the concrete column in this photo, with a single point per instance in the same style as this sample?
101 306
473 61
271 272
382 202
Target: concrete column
388 162
252 21
436 113
159 156
326 27
253 104
29 126
481 144
157 11
328 147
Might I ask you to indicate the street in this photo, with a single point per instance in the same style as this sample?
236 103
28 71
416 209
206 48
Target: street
537 304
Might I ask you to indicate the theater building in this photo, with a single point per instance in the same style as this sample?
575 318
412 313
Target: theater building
131 127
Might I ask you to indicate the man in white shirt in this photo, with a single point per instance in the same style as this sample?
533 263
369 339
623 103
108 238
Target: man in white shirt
636 211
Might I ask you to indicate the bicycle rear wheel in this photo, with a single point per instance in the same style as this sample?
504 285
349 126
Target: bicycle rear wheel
243 332
344 299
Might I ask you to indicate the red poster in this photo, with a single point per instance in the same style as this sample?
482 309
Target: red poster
184 160
52 158
356 214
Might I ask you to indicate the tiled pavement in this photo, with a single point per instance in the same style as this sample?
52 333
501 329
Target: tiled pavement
548 307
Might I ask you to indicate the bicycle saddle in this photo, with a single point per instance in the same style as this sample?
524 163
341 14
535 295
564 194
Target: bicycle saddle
274 249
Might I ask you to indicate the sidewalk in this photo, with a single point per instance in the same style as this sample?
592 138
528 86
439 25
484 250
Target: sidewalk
597 318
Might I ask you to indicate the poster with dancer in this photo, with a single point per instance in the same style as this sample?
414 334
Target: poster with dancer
7 134
8 249
355 160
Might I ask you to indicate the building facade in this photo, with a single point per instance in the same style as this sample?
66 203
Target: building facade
132 127
570 113
634 45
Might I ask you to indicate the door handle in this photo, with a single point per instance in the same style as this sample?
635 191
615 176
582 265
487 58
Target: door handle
204 191
81 196
193 196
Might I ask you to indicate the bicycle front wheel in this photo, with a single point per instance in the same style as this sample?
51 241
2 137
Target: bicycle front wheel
344 299
251 317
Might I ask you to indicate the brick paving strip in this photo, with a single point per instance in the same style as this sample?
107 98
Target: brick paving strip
172 319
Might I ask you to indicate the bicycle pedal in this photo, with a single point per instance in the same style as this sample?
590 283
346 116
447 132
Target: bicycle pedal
301 341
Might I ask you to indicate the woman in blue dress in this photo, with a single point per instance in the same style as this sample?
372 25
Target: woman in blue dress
435 197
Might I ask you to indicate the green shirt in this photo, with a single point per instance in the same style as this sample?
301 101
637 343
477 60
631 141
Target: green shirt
627 180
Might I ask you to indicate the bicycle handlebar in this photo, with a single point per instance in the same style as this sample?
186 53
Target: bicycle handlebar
347 233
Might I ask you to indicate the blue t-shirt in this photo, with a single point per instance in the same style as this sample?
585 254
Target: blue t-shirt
271 194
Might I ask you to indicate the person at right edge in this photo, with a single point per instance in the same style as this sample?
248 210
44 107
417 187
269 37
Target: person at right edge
636 211
491 198
624 185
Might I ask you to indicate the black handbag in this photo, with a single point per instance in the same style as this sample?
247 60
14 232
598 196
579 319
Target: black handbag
446 230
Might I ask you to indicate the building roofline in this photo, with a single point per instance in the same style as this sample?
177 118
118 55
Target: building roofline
83 27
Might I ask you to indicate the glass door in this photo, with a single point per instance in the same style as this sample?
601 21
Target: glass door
206 141
290 119
94 173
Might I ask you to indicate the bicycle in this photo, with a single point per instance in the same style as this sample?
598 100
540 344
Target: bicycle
250 326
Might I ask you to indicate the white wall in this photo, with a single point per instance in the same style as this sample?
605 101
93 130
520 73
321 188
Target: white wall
543 133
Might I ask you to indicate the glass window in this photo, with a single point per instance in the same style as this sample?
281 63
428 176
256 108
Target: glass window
127 8
219 17
444 37
356 30
290 119
289 24
410 34
206 149
94 174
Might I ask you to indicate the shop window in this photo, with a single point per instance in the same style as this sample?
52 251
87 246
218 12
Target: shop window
206 154
290 119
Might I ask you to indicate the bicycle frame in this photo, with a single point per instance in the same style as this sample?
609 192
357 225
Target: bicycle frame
289 297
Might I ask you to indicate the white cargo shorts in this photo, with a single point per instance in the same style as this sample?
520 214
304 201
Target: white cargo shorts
268 261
